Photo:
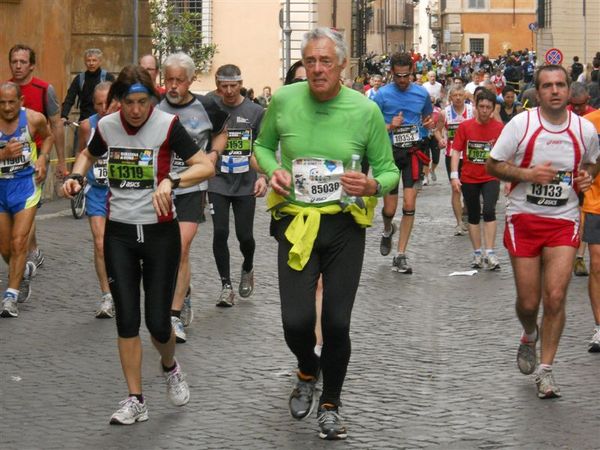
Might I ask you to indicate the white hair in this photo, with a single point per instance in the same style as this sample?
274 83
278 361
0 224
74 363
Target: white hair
182 60
341 50
93 52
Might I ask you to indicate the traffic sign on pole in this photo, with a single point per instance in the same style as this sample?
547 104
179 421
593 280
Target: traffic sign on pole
553 56
533 26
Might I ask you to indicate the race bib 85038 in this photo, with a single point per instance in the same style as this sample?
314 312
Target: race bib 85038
317 180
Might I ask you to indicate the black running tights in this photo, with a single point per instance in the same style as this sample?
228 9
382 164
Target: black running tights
149 253
243 213
337 254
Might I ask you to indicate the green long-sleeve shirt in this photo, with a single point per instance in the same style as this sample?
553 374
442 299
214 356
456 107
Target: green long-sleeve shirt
348 124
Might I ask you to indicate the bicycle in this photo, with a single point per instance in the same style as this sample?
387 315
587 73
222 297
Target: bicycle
78 201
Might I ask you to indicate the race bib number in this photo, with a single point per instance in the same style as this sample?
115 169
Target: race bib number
555 193
406 136
236 156
131 168
12 165
478 151
452 127
101 171
317 180
239 143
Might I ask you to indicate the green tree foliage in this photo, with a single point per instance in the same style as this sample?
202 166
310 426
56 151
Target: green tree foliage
174 31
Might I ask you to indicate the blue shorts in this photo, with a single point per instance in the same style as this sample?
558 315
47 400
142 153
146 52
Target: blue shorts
17 194
96 198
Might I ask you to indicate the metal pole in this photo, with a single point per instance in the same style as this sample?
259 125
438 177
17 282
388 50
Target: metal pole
135 31
287 30
584 34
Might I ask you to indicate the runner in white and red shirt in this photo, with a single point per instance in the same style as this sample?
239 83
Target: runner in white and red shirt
473 141
549 155
451 116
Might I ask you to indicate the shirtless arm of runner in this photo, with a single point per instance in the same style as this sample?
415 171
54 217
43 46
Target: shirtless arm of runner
200 168
83 135
58 131
40 126
439 130
454 180
506 171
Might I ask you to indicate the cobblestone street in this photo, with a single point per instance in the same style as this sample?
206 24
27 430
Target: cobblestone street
432 366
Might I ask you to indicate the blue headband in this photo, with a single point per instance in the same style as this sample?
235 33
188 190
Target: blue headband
138 88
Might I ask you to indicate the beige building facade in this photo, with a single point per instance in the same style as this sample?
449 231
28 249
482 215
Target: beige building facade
250 35
563 25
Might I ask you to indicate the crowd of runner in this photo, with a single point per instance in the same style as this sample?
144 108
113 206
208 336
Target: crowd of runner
152 158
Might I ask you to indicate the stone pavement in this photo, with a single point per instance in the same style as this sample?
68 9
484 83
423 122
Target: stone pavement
433 363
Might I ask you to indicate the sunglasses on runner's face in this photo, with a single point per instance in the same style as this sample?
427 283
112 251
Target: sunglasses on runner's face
402 75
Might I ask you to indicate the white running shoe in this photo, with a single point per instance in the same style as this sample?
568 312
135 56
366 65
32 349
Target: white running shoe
106 308
178 391
130 412
594 345
493 262
477 262
226 299
25 287
9 306
177 324
187 313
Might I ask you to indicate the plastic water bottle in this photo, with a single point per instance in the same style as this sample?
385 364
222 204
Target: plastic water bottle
353 166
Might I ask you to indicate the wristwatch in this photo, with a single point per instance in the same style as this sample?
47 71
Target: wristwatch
378 190
77 177
175 179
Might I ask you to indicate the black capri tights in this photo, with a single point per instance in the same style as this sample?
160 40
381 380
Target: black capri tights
149 253
243 213
337 254
490 191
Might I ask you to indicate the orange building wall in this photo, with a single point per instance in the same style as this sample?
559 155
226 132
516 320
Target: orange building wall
518 4
45 29
61 30
503 34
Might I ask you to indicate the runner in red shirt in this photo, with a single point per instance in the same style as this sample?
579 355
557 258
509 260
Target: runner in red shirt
474 140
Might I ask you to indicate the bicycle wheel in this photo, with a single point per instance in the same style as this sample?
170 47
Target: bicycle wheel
78 205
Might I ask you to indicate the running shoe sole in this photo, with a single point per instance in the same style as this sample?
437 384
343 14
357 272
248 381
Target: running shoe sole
526 359
549 394
594 348
6 313
333 436
141 418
